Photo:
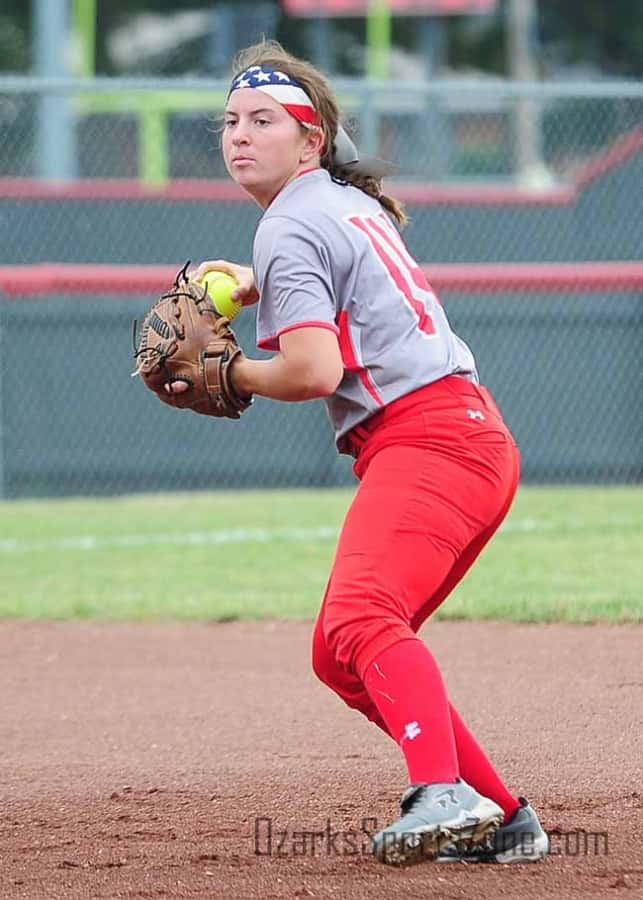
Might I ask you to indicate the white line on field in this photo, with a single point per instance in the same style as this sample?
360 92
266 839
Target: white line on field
222 536
230 536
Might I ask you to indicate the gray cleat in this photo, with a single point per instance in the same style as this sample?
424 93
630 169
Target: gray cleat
434 816
521 840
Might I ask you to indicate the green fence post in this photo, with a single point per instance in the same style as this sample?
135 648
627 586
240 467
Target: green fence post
84 19
378 38
153 145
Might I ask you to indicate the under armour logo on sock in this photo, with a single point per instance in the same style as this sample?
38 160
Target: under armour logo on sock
411 730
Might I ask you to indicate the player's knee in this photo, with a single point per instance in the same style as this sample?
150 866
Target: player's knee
352 640
322 660
332 636
342 637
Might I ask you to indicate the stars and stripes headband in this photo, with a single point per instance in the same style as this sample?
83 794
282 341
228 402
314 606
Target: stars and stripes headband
290 94
282 88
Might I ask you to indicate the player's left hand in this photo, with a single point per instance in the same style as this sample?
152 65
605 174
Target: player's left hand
186 352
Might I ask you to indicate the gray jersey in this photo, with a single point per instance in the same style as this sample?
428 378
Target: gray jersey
327 255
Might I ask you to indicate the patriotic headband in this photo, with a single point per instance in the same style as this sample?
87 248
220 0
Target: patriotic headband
282 88
290 94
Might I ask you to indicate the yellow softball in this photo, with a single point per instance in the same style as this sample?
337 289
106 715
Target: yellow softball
220 286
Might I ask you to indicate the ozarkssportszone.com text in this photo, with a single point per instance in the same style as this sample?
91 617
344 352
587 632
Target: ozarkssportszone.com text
272 839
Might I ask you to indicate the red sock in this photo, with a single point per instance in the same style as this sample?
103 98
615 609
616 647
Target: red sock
476 769
473 764
406 686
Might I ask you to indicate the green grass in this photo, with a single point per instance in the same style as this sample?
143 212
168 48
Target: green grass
566 554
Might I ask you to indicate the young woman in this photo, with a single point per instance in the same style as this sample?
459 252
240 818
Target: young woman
352 319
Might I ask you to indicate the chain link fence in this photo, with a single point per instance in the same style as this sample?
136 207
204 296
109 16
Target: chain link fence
128 173
537 134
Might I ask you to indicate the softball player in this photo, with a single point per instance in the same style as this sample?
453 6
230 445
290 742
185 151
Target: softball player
352 318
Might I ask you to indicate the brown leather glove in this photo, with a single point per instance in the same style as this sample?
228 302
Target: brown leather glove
184 338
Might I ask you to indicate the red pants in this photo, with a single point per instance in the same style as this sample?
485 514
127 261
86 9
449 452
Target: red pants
438 471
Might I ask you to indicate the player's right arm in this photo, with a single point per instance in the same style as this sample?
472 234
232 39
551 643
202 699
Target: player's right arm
308 366
296 315
247 291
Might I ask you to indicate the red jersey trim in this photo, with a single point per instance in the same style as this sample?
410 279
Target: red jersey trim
272 342
349 357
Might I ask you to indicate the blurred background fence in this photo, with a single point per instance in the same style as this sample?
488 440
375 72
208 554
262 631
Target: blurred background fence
534 134
526 206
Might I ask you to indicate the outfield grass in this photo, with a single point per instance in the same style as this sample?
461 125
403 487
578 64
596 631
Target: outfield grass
565 554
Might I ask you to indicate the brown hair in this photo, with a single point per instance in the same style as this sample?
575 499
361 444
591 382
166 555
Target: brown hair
271 53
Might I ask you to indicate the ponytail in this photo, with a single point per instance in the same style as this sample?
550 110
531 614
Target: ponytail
371 186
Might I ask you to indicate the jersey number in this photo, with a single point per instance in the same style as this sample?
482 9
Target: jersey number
403 269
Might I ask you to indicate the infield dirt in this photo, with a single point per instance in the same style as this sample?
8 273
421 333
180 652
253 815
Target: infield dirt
166 760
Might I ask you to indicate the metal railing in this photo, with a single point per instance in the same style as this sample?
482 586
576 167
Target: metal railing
536 251
424 115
